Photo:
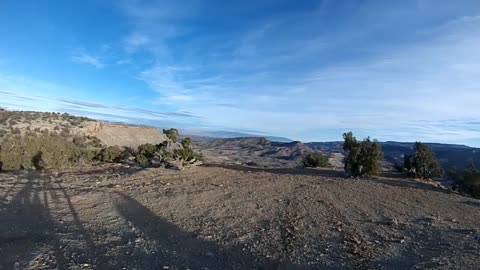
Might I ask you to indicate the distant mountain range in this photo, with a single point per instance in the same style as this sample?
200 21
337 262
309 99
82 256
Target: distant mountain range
230 134
449 155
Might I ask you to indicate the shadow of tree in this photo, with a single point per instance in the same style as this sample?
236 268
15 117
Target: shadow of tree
473 203
409 183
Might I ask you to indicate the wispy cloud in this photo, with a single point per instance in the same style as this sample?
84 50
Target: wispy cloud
14 95
84 58
305 72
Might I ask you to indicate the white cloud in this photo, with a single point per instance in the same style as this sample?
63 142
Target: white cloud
84 58
296 74
20 93
134 41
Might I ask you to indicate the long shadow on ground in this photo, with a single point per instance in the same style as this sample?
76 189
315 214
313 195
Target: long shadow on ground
27 222
179 249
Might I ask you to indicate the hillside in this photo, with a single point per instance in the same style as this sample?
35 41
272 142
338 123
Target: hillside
252 151
54 141
231 135
222 217
67 125
122 135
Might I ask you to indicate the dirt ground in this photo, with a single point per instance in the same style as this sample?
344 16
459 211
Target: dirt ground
218 217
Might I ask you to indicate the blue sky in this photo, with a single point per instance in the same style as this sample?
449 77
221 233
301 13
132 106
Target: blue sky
308 70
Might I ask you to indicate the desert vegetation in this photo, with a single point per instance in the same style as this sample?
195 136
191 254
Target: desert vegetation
32 151
315 160
53 143
52 151
467 181
423 163
362 159
172 134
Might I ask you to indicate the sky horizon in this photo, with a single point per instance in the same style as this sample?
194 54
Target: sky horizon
305 70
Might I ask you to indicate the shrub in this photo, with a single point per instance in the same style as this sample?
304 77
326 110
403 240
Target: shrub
362 158
187 155
187 143
79 141
423 164
146 152
28 152
65 132
94 141
315 160
471 181
16 131
141 160
111 154
172 134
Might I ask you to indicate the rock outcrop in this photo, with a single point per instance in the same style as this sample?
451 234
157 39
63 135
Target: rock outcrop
121 135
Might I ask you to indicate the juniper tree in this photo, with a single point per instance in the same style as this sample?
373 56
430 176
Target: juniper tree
362 159
423 164
172 134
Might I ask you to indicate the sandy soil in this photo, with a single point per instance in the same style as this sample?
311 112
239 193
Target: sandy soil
232 218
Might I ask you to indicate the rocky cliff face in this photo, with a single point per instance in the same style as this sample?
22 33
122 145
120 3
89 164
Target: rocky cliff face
121 135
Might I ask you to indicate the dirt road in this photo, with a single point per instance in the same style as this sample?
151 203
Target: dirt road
231 218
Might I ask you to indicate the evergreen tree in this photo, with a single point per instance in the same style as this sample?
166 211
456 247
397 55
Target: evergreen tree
471 181
423 164
362 159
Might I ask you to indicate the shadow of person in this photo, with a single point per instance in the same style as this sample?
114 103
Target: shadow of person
27 221
37 161
178 249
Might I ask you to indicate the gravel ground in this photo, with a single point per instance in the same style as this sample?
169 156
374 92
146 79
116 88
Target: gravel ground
217 217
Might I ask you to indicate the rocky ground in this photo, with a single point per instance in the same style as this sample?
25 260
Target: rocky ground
231 217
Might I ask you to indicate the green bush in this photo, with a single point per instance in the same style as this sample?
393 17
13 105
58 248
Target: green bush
187 143
467 181
146 152
423 164
80 141
172 134
141 160
315 160
187 155
471 181
111 154
362 159
38 152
